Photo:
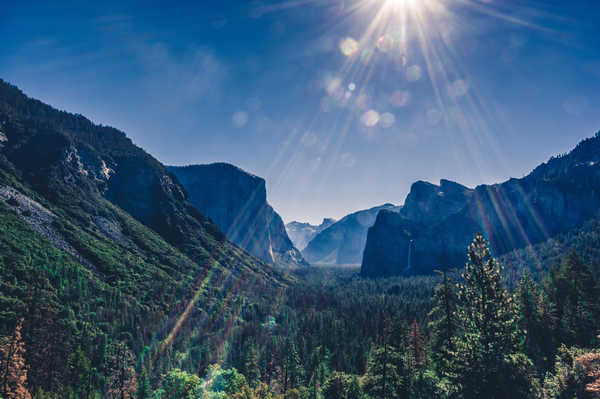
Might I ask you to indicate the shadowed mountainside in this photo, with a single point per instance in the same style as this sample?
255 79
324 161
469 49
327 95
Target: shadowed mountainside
237 202
437 222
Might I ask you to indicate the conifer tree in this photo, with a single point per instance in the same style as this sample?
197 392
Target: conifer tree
13 370
292 370
443 320
251 369
574 292
387 372
489 333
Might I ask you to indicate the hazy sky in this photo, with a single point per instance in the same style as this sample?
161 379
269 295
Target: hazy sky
339 104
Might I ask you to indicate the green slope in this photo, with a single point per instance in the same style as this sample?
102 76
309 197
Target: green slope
89 262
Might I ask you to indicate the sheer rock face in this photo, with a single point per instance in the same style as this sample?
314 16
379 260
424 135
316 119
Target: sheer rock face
438 222
343 242
302 233
236 201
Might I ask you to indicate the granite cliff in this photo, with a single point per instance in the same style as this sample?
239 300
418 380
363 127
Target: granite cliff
236 201
438 222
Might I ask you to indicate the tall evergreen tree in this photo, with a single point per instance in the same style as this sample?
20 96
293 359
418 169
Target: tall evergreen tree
489 333
574 292
385 378
387 372
443 320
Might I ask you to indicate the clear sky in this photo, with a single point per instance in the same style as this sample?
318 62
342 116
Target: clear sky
339 104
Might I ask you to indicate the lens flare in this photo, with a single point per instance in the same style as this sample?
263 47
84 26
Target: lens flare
348 46
370 118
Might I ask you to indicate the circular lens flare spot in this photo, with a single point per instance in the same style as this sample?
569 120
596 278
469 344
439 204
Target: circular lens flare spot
348 46
370 118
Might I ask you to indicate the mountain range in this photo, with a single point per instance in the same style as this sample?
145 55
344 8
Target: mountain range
301 233
437 222
343 242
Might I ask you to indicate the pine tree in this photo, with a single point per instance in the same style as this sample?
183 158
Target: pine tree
528 300
443 321
387 371
292 370
574 292
386 374
13 370
489 333
251 369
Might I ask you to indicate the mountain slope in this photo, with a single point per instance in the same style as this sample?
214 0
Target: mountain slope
237 202
343 242
301 233
98 246
555 197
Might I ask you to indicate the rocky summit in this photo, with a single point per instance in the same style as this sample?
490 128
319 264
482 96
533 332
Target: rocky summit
236 201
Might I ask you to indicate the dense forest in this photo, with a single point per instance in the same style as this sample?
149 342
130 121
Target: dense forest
331 334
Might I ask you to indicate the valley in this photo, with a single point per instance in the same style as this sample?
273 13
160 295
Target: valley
152 280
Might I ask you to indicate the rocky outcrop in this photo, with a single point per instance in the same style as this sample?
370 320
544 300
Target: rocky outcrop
438 222
343 242
40 219
237 202
302 233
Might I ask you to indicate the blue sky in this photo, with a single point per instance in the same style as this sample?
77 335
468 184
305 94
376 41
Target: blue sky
339 104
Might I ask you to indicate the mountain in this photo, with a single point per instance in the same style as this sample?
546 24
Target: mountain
237 202
343 242
438 222
301 233
99 246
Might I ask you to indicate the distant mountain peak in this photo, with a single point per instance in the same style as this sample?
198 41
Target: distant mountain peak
342 243
302 232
